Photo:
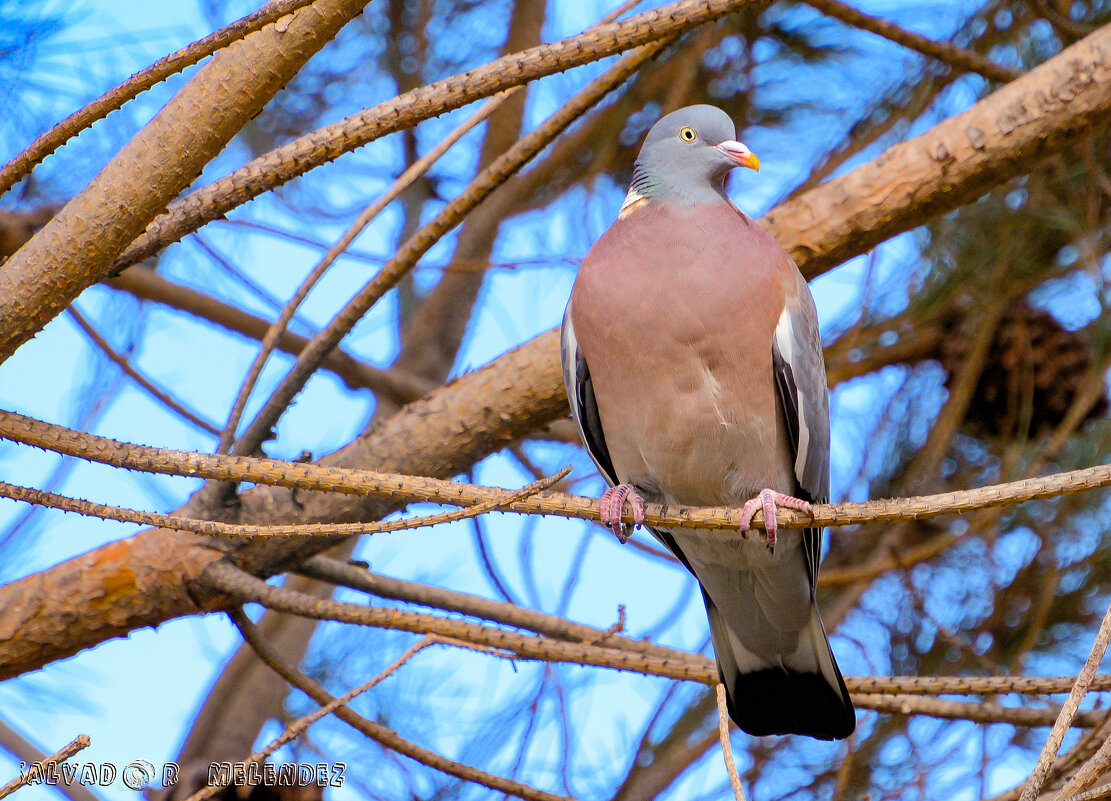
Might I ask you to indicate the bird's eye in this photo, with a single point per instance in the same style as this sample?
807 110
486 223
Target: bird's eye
688 135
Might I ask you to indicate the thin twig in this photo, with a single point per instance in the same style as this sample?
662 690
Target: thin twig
138 83
42 769
29 754
1033 785
294 729
117 358
726 747
376 731
956 57
295 475
219 529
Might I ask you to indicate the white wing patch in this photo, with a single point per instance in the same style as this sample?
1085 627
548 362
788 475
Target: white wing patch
569 347
785 341
570 351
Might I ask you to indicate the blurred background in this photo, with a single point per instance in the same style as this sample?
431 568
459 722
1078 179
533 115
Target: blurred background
916 408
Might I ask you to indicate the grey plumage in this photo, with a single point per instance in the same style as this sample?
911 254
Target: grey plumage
694 372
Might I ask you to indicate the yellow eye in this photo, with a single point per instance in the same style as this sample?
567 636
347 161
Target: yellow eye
688 135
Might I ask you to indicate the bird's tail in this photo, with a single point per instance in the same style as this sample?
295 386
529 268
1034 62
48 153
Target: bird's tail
801 693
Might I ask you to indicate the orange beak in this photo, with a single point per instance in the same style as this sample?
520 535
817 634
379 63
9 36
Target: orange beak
739 154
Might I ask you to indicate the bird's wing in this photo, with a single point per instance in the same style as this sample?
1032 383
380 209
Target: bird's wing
800 380
584 410
584 407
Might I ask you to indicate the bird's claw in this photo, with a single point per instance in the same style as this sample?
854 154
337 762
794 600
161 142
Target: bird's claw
767 500
611 504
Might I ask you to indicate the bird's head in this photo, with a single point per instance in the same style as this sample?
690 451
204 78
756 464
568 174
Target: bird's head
687 155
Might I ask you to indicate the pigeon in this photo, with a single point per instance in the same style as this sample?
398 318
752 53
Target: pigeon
695 376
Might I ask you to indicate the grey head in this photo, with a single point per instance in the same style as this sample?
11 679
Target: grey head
687 155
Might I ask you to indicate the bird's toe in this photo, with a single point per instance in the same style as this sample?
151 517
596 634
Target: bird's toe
611 505
767 501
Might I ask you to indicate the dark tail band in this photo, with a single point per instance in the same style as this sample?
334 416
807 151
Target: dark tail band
775 701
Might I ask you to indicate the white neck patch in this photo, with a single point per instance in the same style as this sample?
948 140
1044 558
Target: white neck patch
632 199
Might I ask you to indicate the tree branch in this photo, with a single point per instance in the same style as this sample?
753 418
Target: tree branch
243 587
376 731
956 57
78 246
216 528
12 172
46 767
406 489
143 282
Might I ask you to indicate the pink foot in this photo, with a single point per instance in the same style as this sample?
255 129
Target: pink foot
612 501
767 500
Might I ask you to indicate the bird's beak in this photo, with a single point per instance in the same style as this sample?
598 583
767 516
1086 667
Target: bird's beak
739 154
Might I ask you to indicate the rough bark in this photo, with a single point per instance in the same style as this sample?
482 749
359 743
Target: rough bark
79 245
149 578
959 159
58 612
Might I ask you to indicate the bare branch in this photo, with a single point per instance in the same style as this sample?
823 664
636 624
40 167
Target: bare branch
296 475
138 83
726 749
41 769
956 57
17 745
1033 785
78 246
216 528
376 731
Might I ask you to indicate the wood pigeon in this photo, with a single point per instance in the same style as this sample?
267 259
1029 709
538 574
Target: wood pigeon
694 370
